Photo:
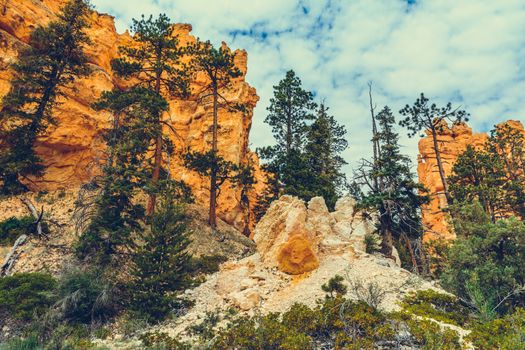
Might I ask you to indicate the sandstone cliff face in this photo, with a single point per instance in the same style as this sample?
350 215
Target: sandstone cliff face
452 142
72 151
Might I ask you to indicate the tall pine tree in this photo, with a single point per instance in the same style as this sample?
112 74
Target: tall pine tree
54 58
154 60
116 217
325 143
423 116
290 111
396 197
218 65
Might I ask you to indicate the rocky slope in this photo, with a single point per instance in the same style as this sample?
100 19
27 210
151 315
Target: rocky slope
73 150
330 244
452 141
62 215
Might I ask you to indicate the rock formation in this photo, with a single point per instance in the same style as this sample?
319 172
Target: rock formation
323 245
452 142
72 151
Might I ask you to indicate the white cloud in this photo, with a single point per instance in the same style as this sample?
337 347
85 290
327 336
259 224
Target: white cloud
470 52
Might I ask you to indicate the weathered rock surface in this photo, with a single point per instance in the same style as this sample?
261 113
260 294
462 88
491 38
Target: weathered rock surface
294 237
73 150
452 142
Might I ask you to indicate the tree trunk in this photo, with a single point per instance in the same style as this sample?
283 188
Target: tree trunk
440 166
158 158
386 233
213 178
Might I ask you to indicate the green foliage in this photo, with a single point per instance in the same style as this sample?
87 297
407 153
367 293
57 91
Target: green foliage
12 228
162 341
26 296
438 306
389 187
306 160
84 297
493 176
29 343
507 333
161 265
486 265
51 61
335 285
372 243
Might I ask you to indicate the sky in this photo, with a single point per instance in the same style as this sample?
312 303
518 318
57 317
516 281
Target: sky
468 52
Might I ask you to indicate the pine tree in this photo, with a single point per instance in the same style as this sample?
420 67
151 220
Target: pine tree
154 60
494 175
424 116
245 179
291 108
325 142
218 65
54 58
507 144
479 176
116 217
397 197
161 265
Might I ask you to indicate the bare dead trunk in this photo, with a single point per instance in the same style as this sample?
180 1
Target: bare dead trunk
10 259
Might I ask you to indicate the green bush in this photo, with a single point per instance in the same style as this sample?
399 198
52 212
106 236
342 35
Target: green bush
26 296
29 343
207 264
486 264
335 285
85 296
438 306
12 228
507 333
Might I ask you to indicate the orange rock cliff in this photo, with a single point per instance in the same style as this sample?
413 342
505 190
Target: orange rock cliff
452 141
72 150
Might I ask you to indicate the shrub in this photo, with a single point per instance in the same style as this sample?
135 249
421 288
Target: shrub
162 341
438 306
84 296
26 296
372 243
507 333
207 264
335 285
486 265
12 228
29 343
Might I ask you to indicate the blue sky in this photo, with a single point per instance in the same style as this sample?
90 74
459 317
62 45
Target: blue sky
469 52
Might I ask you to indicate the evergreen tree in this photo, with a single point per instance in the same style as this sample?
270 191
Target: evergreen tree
54 58
397 197
479 176
218 65
116 217
494 175
290 110
154 60
161 265
325 142
507 144
424 116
